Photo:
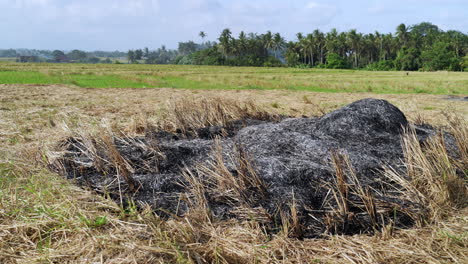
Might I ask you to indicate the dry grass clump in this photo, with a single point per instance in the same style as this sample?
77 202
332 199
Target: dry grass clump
237 185
45 219
243 186
100 152
433 178
187 115
345 185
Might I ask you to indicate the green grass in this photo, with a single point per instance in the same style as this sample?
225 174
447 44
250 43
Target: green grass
12 77
81 80
216 77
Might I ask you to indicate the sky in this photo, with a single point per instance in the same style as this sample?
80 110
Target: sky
129 24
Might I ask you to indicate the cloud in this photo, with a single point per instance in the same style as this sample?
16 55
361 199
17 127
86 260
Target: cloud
124 24
31 3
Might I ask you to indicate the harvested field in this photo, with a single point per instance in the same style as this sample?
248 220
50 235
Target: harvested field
45 218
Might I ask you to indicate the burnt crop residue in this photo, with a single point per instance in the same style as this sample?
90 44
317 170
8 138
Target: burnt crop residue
313 175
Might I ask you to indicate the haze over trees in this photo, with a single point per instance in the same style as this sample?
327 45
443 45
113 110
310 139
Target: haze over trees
59 56
418 47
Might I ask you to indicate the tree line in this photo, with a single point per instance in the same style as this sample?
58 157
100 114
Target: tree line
58 56
423 46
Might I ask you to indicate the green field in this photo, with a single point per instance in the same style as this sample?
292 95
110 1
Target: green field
215 77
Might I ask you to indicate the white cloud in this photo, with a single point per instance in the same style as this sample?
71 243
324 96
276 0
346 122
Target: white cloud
312 5
122 24
31 3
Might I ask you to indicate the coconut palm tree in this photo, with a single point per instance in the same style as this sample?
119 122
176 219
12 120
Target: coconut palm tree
354 40
331 41
225 42
302 49
309 46
278 43
268 40
202 35
319 43
342 44
387 45
379 43
402 34
242 43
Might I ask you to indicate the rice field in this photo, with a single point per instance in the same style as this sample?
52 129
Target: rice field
47 219
213 77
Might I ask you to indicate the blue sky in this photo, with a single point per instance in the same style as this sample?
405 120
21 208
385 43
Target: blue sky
128 24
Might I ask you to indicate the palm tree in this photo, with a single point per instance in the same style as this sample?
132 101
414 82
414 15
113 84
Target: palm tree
455 39
343 44
331 41
131 56
268 40
387 45
225 42
319 43
309 46
292 54
278 43
299 36
301 44
402 34
202 35
242 43
354 40
379 42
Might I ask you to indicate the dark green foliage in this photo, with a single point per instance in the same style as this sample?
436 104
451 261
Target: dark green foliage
272 62
411 48
465 63
107 54
292 55
77 55
335 61
408 59
186 48
93 60
138 54
59 56
247 50
9 53
417 47
160 56
383 65
440 57
131 56
107 61
209 56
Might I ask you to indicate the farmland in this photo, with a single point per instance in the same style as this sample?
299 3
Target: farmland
211 77
46 219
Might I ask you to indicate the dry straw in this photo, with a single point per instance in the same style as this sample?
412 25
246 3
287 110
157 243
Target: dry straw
44 219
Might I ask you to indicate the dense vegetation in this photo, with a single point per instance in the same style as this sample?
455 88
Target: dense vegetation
77 56
418 47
